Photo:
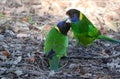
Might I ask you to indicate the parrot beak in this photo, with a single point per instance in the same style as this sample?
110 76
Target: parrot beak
68 21
67 18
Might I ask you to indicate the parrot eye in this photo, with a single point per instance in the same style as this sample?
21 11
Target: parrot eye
75 18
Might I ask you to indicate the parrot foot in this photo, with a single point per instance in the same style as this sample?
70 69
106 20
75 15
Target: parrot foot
52 73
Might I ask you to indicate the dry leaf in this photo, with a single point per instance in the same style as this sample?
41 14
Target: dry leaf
6 53
32 60
103 30
98 77
72 66
47 27
18 72
18 59
109 21
25 19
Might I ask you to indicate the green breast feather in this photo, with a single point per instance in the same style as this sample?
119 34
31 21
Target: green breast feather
56 41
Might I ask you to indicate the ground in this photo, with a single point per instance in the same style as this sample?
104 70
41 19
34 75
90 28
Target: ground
24 25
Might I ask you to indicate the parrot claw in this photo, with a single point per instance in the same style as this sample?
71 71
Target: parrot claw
67 17
52 73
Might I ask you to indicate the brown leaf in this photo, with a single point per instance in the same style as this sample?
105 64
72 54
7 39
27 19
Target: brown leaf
25 19
48 27
6 53
98 77
103 30
32 60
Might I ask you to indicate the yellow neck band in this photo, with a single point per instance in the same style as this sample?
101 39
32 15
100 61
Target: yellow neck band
57 29
81 16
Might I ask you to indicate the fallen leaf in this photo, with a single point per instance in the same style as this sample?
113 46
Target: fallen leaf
19 72
2 70
32 60
17 60
47 27
103 30
72 66
6 53
25 19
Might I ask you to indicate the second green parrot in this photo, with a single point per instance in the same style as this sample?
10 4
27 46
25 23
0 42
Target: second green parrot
84 31
56 44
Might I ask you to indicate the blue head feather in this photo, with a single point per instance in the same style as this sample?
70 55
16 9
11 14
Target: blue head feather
60 24
75 18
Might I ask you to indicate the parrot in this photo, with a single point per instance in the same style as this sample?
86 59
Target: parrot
56 44
83 29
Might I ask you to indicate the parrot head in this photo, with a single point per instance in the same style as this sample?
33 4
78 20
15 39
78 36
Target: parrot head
73 14
64 23
64 26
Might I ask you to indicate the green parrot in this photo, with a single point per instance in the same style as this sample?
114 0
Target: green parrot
84 31
56 44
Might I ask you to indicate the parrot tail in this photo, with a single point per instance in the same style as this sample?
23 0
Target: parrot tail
108 39
54 62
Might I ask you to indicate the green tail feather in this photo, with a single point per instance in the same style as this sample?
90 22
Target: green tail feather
108 39
54 62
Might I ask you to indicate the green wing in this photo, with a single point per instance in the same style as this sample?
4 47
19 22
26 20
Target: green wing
59 43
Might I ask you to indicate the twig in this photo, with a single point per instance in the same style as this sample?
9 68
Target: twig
72 77
31 66
33 72
91 58
64 65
